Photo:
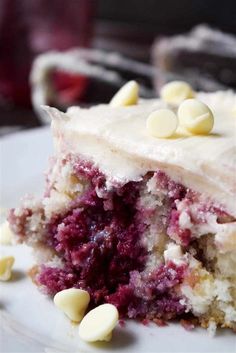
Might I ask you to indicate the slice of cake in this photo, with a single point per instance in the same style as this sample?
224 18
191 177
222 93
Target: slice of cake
205 55
144 221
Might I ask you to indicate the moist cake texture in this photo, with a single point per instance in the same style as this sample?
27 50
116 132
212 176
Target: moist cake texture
146 224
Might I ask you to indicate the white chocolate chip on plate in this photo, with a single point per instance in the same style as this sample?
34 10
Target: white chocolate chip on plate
73 302
195 116
127 95
6 264
6 234
162 123
176 92
99 323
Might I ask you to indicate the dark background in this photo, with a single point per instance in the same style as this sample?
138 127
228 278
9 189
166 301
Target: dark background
169 15
140 21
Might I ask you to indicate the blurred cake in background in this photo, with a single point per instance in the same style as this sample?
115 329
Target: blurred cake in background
204 56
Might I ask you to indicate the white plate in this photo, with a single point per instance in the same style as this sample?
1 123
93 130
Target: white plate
29 320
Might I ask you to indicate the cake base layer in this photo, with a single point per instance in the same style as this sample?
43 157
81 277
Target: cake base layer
151 247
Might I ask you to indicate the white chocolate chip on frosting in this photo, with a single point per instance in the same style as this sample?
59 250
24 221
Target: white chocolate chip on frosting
99 323
176 92
73 302
196 117
127 95
6 234
6 264
162 123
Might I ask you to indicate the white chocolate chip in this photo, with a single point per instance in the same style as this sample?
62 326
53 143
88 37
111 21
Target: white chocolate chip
127 95
162 123
6 264
195 116
176 92
173 253
73 302
99 323
6 234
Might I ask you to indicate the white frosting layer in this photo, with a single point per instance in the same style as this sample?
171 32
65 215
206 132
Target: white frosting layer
116 140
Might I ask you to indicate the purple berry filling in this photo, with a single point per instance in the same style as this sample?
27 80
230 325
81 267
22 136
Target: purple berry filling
151 296
100 242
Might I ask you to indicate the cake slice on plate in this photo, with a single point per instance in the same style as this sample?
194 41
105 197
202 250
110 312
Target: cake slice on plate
142 221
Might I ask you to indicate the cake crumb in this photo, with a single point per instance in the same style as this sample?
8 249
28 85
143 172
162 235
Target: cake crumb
160 322
122 323
187 324
212 328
